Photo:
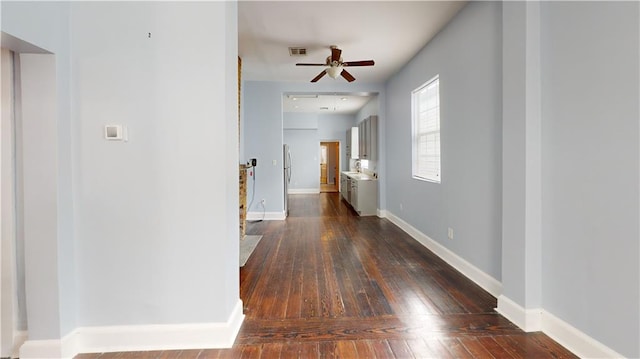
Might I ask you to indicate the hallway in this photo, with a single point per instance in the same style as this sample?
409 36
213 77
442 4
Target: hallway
326 283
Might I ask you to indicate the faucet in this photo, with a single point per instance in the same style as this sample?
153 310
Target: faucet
357 165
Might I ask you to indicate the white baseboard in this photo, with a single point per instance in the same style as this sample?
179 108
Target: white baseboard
382 213
38 349
268 216
138 338
575 340
487 282
19 337
529 320
303 190
533 320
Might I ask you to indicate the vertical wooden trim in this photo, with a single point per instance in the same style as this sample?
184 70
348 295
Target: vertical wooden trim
242 168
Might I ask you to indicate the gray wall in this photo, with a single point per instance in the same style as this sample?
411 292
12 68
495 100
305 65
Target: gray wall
158 206
371 108
262 121
586 89
467 56
46 25
590 169
303 132
305 159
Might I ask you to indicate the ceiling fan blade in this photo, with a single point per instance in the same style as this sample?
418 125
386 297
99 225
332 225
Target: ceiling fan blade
301 64
359 63
335 54
347 76
315 79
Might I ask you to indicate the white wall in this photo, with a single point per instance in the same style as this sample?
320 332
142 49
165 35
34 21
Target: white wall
591 247
467 57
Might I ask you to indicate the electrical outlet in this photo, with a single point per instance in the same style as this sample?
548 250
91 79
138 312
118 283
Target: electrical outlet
450 233
263 202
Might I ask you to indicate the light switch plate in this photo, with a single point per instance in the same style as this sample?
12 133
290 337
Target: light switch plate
113 132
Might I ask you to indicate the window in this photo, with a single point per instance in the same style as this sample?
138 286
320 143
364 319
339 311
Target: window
425 102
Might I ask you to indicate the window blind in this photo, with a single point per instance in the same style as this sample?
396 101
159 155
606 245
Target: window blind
426 131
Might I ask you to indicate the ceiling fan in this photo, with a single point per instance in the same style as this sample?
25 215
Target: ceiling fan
335 66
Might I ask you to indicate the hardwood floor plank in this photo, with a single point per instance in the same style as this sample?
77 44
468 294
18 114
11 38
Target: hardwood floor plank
271 351
381 349
475 348
400 348
210 354
497 350
456 348
420 349
312 269
327 350
290 350
328 278
189 354
390 327
309 350
364 349
346 349
438 349
555 350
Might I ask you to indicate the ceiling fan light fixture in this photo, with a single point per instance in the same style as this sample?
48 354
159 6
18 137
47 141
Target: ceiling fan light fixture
334 71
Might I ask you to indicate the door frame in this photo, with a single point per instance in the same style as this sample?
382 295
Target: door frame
337 144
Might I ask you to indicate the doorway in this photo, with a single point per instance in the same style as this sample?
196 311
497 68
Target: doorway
329 166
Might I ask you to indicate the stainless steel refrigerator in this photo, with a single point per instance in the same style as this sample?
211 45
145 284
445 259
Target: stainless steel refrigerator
286 160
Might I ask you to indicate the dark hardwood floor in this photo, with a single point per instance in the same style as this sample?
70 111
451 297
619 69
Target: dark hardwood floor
326 283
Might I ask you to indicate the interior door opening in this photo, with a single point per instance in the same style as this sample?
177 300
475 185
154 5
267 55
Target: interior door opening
329 166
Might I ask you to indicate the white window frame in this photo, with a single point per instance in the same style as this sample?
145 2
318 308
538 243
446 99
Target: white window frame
431 173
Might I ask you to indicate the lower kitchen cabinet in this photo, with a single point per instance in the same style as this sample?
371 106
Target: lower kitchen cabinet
364 197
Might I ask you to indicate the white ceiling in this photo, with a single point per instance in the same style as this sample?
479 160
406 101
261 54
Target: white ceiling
388 32
325 103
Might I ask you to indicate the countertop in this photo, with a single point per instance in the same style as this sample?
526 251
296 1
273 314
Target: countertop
358 176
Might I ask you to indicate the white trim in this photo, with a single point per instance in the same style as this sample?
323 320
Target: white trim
138 338
529 320
382 213
487 282
42 349
533 320
303 190
575 340
19 337
268 216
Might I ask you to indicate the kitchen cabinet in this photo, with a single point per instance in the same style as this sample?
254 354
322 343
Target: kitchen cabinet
344 186
364 197
361 192
352 145
368 138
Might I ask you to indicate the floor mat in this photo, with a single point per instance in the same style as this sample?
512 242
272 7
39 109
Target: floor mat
247 245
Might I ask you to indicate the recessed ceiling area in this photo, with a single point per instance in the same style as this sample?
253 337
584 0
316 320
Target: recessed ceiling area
325 103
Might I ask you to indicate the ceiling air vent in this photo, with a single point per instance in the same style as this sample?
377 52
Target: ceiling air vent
297 51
